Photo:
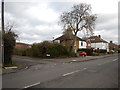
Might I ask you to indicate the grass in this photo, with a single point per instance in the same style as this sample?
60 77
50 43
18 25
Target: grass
11 64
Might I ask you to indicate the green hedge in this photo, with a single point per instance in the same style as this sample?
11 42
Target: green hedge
100 51
42 49
57 50
19 52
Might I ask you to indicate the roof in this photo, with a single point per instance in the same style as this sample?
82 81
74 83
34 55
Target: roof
96 39
64 37
113 45
22 43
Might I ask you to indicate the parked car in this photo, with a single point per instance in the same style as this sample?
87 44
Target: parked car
81 53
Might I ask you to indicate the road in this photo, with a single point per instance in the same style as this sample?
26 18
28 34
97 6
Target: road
99 73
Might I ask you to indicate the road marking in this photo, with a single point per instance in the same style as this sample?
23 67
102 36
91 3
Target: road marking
74 60
32 85
115 59
70 73
11 67
73 72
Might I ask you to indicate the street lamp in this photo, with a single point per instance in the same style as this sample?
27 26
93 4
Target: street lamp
2 25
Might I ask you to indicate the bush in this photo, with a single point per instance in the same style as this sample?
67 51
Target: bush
29 52
9 43
42 49
100 51
57 50
118 50
95 54
88 51
20 52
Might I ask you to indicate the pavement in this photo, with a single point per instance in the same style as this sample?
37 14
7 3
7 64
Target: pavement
22 65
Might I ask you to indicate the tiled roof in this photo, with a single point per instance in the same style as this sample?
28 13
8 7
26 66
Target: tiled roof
64 37
22 43
95 39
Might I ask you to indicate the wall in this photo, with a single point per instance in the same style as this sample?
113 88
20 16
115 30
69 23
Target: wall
100 45
22 46
84 44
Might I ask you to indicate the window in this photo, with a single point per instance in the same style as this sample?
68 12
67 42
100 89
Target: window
88 44
75 43
81 43
57 41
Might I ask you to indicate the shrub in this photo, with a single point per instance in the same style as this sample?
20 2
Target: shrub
118 50
42 49
95 54
57 50
20 52
100 51
9 43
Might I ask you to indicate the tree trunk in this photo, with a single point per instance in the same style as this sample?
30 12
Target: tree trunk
72 46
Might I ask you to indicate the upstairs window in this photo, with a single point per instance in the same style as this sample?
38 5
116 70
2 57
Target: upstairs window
81 43
75 43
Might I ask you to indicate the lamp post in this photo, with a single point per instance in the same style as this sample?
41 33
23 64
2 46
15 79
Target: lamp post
2 25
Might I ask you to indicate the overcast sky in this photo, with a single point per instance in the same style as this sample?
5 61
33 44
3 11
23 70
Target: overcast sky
37 20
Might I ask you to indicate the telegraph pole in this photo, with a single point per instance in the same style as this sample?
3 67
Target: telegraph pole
2 23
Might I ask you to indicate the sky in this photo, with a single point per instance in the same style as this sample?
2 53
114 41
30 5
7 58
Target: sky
37 20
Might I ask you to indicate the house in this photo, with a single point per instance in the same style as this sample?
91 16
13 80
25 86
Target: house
96 42
22 45
113 46
67 40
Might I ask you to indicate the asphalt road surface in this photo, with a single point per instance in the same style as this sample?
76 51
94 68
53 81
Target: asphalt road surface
99 73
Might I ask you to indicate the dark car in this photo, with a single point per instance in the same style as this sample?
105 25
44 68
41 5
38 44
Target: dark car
81 53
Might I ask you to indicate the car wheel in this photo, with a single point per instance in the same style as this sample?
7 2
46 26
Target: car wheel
83 55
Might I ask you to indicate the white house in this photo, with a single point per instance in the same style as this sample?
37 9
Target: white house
98 43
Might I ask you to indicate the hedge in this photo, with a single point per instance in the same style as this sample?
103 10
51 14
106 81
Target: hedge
100 51
42 49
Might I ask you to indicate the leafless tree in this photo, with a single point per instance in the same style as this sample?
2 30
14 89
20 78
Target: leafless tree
78 19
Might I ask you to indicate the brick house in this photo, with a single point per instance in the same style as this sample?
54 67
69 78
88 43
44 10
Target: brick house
68 41
113 46
22 45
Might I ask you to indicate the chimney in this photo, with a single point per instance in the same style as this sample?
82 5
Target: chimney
99 36
110 41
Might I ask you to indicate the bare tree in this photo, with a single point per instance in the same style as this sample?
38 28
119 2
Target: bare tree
78 19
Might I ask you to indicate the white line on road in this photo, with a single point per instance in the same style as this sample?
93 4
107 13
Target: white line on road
70 73
73 72
115 59
74 60
84 68
32 85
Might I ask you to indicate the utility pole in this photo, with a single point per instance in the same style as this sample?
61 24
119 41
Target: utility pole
2 23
